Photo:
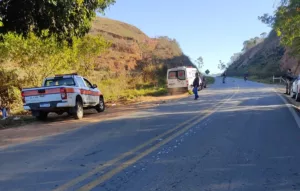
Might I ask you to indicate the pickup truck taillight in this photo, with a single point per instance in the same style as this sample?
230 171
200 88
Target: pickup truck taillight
187 83
63 93
23 97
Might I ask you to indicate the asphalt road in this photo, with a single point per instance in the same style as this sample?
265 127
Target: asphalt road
237 136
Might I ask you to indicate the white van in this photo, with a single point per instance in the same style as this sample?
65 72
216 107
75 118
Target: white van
181 78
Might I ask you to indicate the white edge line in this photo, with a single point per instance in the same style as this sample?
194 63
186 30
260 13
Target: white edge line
289 106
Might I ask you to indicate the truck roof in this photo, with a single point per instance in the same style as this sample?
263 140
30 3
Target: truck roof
181 68
63 76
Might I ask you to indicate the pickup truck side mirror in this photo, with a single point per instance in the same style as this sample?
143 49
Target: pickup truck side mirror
95 86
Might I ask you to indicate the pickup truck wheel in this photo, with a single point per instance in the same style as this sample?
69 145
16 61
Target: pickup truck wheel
101 106
42 116
78 110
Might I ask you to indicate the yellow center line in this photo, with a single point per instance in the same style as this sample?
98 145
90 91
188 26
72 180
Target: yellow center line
111 173
124 155
113 161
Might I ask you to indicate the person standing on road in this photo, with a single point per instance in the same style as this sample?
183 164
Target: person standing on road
196 86
3 111
246 76
289 79
224 76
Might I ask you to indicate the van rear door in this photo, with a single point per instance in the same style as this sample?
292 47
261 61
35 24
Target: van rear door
177 79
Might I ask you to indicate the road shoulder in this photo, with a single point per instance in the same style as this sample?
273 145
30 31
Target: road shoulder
62 124
292 104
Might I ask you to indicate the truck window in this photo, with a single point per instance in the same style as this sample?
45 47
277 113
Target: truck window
80 82
181 74
87 83
59 82
172 75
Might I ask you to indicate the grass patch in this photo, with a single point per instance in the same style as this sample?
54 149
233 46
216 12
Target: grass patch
210 80
261 80
265 80
132 94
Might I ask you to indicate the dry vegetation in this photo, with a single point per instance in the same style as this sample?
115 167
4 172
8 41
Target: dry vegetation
135 65
131 66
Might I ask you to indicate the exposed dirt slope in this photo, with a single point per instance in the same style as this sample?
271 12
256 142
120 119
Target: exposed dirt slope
131 48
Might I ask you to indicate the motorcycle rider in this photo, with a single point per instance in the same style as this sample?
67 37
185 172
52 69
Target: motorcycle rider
246 76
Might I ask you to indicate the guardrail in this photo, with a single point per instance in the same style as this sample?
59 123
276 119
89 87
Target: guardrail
279 78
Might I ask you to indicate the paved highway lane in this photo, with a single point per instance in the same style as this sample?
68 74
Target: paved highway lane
237 136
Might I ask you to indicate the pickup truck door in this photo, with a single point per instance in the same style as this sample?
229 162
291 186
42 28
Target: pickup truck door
84 90
93 95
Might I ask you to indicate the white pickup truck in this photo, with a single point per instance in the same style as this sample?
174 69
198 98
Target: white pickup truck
69 93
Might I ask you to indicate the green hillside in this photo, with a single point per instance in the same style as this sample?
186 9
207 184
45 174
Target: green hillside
263 60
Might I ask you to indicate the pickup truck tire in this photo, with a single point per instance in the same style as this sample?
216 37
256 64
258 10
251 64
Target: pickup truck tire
78 110
101 106
42 116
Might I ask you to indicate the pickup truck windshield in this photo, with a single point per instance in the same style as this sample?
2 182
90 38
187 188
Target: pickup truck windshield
59 82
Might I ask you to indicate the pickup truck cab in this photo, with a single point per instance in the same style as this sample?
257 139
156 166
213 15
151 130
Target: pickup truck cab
69 93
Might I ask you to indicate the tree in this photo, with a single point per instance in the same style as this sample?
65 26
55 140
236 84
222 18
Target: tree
222 65
263 35
207 72
234 57
88 49
200 62
38 58
66 18
286 23
9 87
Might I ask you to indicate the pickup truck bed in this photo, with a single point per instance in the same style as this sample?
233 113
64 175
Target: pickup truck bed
65 98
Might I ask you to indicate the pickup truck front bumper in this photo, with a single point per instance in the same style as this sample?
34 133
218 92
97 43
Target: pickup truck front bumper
53 106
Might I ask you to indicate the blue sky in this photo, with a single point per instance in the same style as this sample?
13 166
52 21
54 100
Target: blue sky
211 29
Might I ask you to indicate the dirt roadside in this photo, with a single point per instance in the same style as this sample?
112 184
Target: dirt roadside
60 124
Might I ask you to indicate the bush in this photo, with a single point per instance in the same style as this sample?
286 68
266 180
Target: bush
9 89
210 80
36 58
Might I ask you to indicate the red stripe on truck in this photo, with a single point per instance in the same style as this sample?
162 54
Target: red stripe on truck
88 92
35 92
57 91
